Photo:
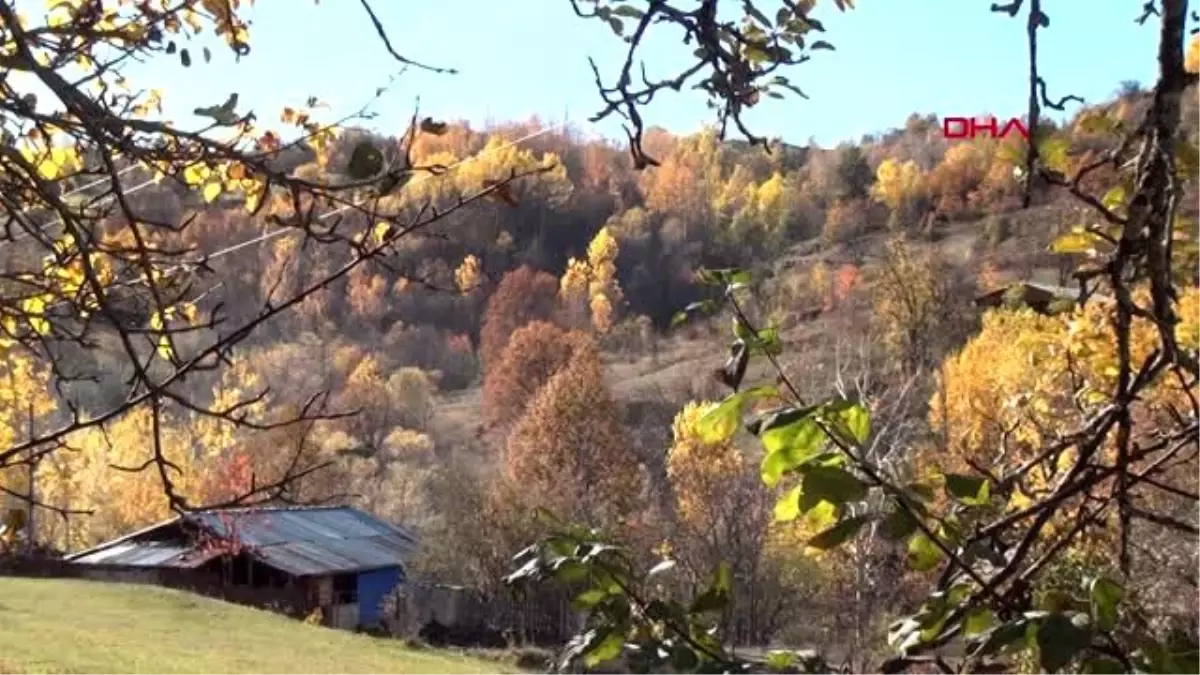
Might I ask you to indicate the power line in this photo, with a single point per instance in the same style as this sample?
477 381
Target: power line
83 188
342 209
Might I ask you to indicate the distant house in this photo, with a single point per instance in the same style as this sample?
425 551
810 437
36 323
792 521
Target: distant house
297 560
1042 298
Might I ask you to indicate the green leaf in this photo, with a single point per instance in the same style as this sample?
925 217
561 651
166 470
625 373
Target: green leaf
1106 594
755 54
820 44
819 514
978 620
605 649
855 418
570 571
432 127
365 162
222 114
723 277
969 490
1053 152
787 508
1059 639
923 554
720 422
628 11
1078 240
740 330
1055 601
696 308
1102 665
790 447
1003 636
921 492
716 596
784 428
838 534
767 341
833 484
722 580
753 11
734 370
683 659
898 524
780 660
588 599
617 25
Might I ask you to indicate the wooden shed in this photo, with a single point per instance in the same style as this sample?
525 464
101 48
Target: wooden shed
297 560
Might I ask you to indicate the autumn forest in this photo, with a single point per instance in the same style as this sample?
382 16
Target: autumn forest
792 385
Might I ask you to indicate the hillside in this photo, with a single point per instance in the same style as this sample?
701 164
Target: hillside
68 626
685 356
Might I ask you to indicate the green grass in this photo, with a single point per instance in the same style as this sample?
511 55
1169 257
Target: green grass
70 626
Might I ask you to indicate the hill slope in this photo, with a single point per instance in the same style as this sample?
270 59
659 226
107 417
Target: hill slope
90 627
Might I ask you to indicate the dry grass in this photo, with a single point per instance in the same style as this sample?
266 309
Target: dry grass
70 626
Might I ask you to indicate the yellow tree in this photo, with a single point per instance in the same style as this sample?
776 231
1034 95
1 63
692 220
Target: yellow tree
26 405
593 282
468 275
961 171
88 269
1027 380
1192 59
722 514
25 401
897 185
111 475
913 307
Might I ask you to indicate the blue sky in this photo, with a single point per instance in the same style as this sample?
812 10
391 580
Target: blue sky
520 58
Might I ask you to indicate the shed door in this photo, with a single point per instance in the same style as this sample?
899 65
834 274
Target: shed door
372 587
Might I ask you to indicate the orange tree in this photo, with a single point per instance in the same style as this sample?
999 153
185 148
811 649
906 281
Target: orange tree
1099 423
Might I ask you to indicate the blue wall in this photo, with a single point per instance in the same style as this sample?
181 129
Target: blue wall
372 587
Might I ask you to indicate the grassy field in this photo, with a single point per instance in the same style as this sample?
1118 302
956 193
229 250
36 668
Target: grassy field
68 626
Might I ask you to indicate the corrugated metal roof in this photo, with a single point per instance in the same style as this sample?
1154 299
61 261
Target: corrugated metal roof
300 541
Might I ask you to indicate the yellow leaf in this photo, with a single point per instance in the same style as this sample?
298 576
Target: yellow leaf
196 174
164 347
9 325
1114 198
212 191
35 305
48 169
